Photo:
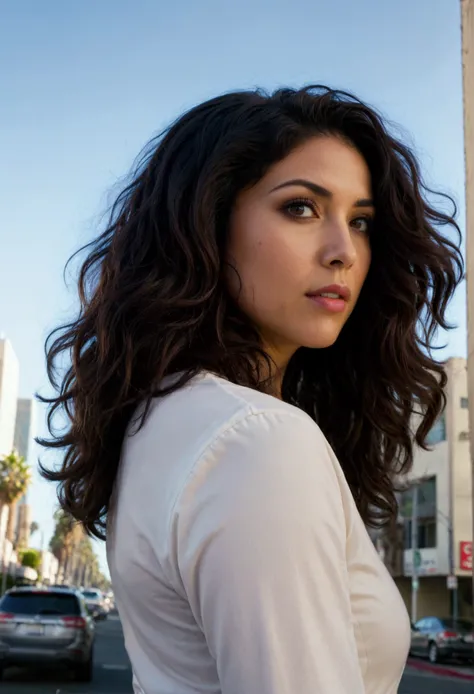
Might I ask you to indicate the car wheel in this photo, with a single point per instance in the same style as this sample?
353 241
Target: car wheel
84 671
433 653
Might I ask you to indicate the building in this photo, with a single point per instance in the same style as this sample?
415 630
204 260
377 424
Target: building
444 512
9 381
49 568
25 430
25 426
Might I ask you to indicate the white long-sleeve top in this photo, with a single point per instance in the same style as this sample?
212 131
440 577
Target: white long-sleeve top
239 560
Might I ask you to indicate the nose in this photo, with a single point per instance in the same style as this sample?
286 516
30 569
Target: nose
338 247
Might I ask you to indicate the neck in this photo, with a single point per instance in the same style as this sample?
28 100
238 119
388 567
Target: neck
272 375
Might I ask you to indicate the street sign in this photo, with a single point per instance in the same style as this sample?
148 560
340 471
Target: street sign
415 584
465 555
452 582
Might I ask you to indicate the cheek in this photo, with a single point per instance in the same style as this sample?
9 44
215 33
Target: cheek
363 266
265 264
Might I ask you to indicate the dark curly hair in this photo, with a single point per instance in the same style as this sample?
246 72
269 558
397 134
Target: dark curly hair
154 300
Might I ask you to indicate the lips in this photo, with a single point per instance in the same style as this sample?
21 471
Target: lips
333 298
332 291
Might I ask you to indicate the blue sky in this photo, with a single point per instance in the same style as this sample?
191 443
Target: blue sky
84 85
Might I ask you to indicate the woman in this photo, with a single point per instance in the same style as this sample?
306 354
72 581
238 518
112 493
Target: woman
253 341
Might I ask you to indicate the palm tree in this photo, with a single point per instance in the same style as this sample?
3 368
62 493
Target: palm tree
78 544
86 561
15 477
34 527
62 540
75 553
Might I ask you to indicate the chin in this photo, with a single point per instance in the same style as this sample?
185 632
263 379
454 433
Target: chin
320 339
320 344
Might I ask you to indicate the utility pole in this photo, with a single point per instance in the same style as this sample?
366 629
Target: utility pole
452 580
467 24
414 549
452 571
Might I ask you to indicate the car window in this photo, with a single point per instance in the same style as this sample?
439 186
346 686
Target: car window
91 595
40 603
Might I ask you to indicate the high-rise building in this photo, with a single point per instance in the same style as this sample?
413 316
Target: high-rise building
25 430
9 381
25 426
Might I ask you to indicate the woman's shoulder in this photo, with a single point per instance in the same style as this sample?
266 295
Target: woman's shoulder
210 418
213 406
228 449
211 429
262 461
211 421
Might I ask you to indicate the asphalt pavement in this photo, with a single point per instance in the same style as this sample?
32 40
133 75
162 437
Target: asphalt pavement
417 682
112 673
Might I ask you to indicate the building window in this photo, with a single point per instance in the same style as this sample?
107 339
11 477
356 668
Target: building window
427 492
407 534
426 499
426 511
438 432
464 403
426 533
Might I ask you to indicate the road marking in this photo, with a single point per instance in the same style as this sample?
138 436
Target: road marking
115 667
113 618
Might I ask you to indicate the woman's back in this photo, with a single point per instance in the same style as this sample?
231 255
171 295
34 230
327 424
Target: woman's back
239 561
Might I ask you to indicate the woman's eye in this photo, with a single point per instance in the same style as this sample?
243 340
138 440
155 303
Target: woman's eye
363 224
300 209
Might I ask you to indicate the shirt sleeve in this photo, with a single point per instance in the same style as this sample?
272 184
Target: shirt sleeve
261 538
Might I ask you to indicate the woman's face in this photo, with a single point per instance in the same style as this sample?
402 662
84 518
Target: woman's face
300 242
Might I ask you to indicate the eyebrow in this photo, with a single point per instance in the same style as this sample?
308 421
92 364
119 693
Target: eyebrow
321 191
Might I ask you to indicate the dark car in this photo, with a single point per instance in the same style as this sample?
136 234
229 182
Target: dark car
46 627
440 639
95 603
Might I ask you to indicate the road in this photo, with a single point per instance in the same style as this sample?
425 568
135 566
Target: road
113 675
425 683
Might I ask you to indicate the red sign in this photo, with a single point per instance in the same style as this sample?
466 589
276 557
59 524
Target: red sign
465 555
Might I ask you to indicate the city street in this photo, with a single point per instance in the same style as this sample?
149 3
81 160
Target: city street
415 682
112 670
113 675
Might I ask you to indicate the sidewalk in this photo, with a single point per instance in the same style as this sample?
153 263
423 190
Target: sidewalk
462 672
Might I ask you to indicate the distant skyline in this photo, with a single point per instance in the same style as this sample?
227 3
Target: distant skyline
87 85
